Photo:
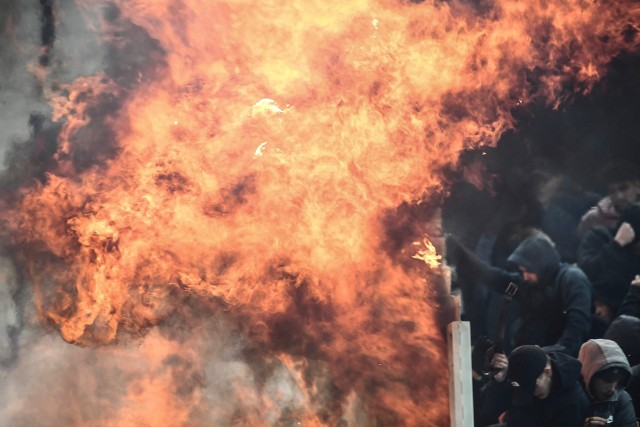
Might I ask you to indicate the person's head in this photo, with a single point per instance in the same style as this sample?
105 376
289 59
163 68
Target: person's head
604 383
536 258
604 369
625 331
530 374
623 183
529 276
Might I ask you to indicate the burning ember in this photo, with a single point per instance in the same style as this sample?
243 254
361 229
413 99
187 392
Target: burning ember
235 219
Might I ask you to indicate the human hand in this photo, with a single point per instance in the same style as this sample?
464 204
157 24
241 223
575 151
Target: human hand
479 352
636 280
603 311
625 234
595 421
500 363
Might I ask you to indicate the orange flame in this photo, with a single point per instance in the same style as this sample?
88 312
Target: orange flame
259 169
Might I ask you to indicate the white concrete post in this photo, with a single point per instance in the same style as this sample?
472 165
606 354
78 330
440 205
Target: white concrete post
460 386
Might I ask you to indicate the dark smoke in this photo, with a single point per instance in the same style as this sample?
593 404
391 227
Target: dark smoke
48 33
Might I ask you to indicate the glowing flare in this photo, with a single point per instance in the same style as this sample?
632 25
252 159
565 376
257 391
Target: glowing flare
428 254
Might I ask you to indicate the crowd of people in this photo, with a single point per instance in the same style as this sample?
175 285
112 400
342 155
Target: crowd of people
551 287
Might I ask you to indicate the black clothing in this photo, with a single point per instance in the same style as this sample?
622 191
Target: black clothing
609 266
565 406
466 213
625 330
561 217
619 411
633 388
631 303
556 311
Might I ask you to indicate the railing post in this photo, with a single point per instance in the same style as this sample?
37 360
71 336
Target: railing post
460 386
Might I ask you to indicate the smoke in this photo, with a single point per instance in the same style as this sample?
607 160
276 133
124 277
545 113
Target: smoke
9 316
176 354
202 381
43 44
19 96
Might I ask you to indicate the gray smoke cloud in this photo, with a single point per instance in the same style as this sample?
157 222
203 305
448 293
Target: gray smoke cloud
9 321
54 383
20 35
65 40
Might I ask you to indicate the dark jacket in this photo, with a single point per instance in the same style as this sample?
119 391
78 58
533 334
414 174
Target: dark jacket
596 356
562 213
604 214
565 406
625 330
609 266
554 312
631 303
633 388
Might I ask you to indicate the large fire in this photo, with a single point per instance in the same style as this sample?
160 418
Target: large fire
247 196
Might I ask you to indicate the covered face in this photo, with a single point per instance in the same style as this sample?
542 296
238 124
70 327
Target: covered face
537 259
525 373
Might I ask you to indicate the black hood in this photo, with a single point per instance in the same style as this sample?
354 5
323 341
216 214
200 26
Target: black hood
625 330
538 255
566 370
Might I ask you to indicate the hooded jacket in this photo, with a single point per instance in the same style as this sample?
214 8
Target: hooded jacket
603 214
609 266
556 311
625 330
596 356
565 406
631 302
633 388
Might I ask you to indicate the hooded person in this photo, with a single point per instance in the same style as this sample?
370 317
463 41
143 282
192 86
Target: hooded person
611 259
605 372
540 388
554 297
631 303
625 331
622 179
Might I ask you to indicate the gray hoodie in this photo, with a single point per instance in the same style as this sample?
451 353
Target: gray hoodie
598 355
